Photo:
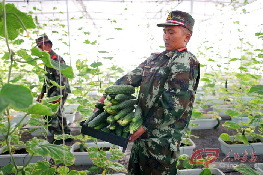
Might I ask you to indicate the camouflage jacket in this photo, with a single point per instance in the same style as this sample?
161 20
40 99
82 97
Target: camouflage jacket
55 75
168 82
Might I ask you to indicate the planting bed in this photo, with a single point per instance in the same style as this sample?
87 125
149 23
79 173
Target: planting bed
202 138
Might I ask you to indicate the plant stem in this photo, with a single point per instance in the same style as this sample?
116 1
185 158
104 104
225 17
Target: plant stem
9 75
27 61
9 146
27 162
6 40
17 125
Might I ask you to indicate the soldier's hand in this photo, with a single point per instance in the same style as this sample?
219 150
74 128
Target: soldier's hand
101 100
39 98
57 101
137 134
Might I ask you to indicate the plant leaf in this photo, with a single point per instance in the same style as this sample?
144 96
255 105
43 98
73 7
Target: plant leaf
256 89
231 125
116 154
96 64
225 137
14 17
68 72
43 168
63 170
8 168
43 55
75 172
232 113
59 153
40 109
117 167
56 84
206 171
17 96
242 138
6 56
97 156
245 170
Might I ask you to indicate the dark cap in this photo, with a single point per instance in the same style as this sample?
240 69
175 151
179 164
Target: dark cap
179 18
42 40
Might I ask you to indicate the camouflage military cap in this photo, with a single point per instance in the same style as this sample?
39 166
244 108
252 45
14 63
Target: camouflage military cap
179 18
42 40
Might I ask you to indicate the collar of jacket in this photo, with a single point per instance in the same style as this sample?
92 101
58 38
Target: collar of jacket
170 54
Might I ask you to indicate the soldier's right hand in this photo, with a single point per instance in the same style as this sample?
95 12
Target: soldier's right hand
39 98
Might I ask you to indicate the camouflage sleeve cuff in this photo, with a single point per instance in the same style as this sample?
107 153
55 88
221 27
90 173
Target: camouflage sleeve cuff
144 127
104 95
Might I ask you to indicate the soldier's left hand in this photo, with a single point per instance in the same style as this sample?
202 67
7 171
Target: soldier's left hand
137 134
57 101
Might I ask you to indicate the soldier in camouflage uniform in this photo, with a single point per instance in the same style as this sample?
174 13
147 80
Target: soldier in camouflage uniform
168 82
54 121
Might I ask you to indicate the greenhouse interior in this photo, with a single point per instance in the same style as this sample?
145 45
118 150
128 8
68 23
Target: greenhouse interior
75 93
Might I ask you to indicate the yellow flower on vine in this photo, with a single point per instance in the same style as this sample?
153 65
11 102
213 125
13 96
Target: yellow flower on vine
10 117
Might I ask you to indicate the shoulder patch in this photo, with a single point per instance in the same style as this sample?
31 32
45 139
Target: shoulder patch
54 57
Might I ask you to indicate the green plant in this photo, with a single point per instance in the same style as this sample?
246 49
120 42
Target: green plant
251 107
18 97
90 82
246 95
243 134
87 80
185 162
196 114
100 160
98 156
245 170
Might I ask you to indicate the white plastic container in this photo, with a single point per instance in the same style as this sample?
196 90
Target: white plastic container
20 159
215 171
187 149
240 148
82 158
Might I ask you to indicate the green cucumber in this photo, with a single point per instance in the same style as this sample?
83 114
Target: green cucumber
120 89
118 130
138 114
126 120
101 118
102 125
121 97
124 104
110 119
123 113
110 111
92 116
134 126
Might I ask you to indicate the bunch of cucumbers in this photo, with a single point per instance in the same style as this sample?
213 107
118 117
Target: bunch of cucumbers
119 114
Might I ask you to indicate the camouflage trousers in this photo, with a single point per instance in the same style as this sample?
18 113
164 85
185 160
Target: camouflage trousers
57 123
151 158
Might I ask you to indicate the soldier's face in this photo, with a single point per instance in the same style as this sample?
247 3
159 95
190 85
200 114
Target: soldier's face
175 37
45 47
